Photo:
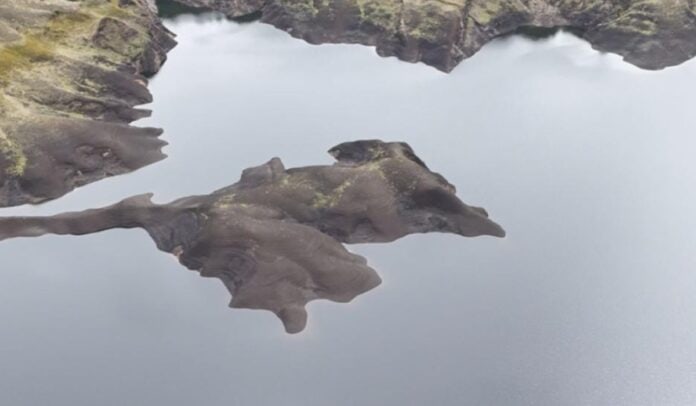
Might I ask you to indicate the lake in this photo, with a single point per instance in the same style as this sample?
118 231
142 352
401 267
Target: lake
588 163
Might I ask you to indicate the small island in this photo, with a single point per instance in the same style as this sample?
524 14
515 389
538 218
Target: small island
275 237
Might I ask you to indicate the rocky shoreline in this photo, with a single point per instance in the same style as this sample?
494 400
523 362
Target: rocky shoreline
71 75
73 72
647 33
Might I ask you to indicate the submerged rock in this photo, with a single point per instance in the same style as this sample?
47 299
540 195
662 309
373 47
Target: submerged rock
650 34
70 76
274 238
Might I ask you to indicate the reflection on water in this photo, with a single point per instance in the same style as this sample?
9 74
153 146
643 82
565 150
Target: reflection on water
587 161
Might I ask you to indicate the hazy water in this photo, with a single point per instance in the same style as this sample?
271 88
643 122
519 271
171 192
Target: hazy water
591 300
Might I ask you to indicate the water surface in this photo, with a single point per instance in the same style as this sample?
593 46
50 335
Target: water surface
587 162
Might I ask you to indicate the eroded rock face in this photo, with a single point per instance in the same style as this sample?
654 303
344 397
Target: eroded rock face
651 34
70 76
274 238
72 72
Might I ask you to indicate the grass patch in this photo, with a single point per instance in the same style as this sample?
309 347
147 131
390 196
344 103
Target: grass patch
13 155
33 50
62 29
64 25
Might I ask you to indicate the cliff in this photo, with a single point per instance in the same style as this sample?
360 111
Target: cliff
71 74
651 34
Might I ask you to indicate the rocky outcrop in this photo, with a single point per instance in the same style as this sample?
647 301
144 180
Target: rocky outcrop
651 34
274 238
71 74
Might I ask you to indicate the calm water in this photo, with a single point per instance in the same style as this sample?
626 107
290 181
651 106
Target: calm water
587 162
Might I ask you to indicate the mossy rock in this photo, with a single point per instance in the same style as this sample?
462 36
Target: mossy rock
71 75
651 34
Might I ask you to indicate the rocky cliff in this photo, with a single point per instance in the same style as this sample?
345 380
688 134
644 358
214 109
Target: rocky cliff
71 74
652 34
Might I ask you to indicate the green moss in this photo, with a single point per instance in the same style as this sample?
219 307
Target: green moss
302 8
485 12
380 13
230 201
295 181
40 46
225 201
637 20
428 26
323 201
32 50
41 52
375 167
14 155
113 10
63 26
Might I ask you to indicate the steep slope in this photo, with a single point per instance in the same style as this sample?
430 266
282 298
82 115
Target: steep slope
652 34
70 76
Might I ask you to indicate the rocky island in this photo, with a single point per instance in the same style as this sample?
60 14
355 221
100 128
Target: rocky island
275 237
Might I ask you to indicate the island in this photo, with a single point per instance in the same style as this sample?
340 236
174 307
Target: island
275 238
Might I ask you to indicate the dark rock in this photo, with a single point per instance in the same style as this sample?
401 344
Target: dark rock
274 238
649 34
